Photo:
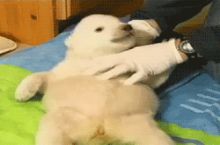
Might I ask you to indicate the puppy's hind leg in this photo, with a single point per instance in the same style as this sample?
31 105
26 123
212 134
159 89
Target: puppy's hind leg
30 86
50 133
64 127
139 129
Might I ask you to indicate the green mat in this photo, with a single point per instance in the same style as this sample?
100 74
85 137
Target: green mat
18 121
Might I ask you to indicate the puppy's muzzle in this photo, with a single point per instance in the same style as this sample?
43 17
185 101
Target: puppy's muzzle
123 32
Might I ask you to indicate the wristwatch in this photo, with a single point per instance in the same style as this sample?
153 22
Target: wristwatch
187 49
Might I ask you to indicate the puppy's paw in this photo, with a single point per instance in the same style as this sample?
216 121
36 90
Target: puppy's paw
28 88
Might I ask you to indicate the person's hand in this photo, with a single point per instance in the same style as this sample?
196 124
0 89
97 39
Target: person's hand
141 61
145 31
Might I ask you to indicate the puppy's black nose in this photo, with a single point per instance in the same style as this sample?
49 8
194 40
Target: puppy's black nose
127 27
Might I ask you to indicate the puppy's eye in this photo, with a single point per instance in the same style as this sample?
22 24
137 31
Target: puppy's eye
99 29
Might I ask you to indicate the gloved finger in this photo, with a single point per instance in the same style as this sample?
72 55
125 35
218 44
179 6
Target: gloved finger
114 72
135 78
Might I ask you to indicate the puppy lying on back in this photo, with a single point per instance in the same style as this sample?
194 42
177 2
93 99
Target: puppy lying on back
81 109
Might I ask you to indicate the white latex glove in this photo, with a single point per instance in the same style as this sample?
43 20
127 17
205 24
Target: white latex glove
141 61
145 31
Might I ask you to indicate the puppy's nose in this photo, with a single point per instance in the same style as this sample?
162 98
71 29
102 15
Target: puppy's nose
127 27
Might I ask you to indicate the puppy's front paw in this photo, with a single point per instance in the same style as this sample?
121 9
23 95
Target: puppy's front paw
28 88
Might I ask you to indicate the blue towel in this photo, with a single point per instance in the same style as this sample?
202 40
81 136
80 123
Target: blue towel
40 58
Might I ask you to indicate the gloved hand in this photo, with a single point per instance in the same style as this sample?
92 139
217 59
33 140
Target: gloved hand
145 31
141 61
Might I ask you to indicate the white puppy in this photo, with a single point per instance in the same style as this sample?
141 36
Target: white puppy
81 109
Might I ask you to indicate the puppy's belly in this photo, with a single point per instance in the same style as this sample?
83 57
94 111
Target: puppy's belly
94 97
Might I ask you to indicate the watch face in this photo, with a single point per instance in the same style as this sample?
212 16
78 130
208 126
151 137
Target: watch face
186 48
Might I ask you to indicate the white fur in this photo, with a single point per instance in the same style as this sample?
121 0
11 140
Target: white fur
82 108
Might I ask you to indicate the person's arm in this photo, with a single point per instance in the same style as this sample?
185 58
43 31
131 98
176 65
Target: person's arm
206 42
169 13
